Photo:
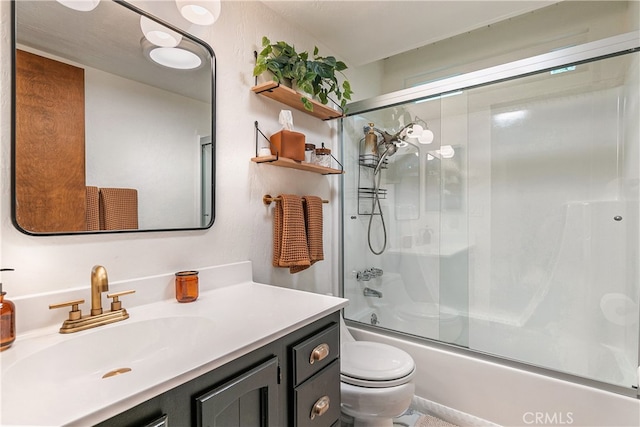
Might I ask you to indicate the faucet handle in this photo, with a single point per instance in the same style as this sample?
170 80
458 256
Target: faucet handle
75 312
116 304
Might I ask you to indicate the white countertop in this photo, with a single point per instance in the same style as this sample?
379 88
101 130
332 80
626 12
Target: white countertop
243 317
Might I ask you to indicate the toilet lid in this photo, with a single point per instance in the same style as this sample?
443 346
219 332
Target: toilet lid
365 363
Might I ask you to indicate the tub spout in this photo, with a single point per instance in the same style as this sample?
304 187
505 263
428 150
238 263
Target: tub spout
99 284
368 292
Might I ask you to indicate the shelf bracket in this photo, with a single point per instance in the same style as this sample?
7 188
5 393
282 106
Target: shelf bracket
259 132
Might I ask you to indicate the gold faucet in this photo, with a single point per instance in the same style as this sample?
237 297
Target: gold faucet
99 284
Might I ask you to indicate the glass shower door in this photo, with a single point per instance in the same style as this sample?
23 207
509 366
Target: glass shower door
515 233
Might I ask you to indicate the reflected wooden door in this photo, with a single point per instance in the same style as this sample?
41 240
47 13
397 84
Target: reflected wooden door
50 147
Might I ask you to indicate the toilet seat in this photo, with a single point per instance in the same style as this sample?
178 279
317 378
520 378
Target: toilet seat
375 365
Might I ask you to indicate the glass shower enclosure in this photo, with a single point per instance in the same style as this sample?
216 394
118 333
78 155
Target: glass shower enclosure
515 232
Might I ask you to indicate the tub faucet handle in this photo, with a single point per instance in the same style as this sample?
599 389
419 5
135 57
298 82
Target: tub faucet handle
376 272
363 276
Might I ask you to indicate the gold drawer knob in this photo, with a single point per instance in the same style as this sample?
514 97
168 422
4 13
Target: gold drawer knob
75 313
319 353
320 407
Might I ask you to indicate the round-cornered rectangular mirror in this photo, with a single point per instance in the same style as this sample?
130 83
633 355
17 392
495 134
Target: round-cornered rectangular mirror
113 128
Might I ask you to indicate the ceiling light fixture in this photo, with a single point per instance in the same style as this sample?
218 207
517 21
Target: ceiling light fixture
185 56
80 5
200 12
174 57
158 34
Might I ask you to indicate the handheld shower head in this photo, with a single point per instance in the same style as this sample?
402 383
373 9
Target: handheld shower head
390 150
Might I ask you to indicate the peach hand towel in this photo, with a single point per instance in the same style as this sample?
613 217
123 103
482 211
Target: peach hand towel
289 234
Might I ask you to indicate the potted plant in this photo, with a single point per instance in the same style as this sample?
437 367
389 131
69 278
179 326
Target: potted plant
315 76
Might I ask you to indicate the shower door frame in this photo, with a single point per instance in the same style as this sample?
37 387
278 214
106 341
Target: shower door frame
601 49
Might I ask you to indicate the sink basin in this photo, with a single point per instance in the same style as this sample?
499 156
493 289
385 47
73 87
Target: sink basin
105 362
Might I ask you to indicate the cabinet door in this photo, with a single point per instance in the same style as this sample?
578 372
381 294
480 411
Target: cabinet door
249 400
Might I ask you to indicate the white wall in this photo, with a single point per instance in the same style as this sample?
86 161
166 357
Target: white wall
243 225
142 137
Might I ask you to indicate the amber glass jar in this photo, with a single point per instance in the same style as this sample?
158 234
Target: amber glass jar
7 322
186 286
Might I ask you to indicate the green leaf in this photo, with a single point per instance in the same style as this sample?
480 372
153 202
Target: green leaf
307 104
259 69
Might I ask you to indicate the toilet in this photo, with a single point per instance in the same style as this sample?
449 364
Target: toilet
376 381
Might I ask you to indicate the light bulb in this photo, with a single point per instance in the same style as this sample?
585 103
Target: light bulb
426 137
200 12
158 34
414 131
80 5
447 151
174 57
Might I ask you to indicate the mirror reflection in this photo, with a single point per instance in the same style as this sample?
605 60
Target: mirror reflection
113 122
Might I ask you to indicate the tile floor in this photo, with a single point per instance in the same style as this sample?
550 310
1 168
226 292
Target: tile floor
411 418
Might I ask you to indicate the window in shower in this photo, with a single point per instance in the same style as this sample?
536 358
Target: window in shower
524 241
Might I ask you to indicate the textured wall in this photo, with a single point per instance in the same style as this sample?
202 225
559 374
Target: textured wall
243 225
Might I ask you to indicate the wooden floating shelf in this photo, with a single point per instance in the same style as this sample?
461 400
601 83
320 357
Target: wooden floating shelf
292 98
292 164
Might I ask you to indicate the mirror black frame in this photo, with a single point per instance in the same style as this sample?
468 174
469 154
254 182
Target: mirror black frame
14 34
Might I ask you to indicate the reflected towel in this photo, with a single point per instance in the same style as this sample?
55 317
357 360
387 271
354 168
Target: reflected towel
118 209
313 225
289 235
93 209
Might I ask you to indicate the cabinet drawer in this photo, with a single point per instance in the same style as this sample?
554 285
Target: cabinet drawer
316 352
322 392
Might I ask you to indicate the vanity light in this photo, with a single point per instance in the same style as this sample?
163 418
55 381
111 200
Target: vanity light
201 12
80 5
158 34
174 57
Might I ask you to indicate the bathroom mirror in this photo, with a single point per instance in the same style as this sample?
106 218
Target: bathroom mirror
107 135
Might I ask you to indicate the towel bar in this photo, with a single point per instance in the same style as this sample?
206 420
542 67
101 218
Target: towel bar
267 199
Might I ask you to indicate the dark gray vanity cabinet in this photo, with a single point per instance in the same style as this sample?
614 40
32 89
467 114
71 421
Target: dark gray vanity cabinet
251 399
293 381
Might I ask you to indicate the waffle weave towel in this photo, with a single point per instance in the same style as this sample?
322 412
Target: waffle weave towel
313 223
289 233
93 209
118 208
